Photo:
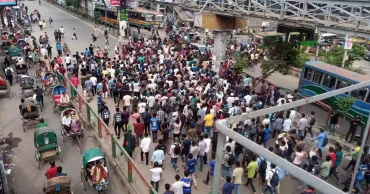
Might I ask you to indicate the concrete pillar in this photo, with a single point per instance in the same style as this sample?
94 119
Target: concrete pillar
220 38
158 7
221 141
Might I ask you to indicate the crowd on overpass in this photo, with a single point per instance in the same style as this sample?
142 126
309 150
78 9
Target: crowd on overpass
172 96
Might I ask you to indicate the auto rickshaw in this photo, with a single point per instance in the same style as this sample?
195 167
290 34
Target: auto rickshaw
46 144
89 160
13 50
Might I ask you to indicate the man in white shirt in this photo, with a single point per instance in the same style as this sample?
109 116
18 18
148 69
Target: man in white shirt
302 124
268 178
127 101
248 99
287 124
292 114
44 52
266 120
150 101
94 81
66 122
62 31
207 140
68 60
156 175
230 100
141 107
145 145
178 186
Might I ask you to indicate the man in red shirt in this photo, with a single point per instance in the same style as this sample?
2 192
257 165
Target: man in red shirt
52 171
62 70
139 129
74 80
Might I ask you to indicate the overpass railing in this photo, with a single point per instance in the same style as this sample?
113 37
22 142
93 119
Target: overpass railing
123 161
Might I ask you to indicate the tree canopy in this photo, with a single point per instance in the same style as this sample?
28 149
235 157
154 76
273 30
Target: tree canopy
282 56
335 57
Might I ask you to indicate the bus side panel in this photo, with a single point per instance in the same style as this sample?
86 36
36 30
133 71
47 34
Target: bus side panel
308 89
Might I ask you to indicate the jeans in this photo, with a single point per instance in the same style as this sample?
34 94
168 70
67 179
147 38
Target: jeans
352 133
309 130
155 185
250 181
102 185
236 155
154 135
333 171
226 170
237 188
301 133
201 159
208 129
332 127
268 188
174 163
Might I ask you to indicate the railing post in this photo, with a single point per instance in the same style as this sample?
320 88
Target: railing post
129 170
79 101
100 128
88 113
114 154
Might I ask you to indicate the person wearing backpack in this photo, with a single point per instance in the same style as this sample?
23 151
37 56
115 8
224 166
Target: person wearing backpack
252 129
322 140
227 163
117 123
174 152
262 166
311 122
105 114
9 74
272 179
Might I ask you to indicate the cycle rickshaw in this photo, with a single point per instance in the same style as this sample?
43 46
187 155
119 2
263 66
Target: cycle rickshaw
27 84
48 79
56 185
20 69
57 93
30 114
76 131
46 144
89 159
5 87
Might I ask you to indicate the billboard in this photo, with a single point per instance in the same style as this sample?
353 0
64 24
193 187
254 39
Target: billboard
113 3
8 2
165 1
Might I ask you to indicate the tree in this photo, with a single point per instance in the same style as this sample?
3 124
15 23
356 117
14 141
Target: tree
282 56
344 104
241 63
335 57
301 60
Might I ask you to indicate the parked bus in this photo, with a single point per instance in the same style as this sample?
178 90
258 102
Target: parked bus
305 39
318 77
263 38
139 17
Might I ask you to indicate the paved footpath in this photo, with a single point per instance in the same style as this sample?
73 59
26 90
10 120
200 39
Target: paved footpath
84 31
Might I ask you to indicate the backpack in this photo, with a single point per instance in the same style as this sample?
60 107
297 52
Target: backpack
115 87
263 165
176 150
253 128
312 121
326 140
9 72
274 181
117 117
231 160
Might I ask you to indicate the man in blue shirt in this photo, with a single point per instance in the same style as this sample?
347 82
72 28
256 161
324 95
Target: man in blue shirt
88 86
59 172
158 156
211 169
154 122
100 101
59 48
228 186
190 166
188 180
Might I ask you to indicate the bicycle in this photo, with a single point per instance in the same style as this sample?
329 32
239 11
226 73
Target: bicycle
251 66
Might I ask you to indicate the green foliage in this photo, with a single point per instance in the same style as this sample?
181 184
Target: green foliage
344 104
301 60
69 2
335 57
73 3
281 57
241 63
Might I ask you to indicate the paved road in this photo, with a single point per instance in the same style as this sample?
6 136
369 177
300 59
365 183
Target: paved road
26 178
84 31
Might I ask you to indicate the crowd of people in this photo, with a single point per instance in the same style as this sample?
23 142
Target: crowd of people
172 96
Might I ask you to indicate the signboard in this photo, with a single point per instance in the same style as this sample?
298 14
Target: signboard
165 1
113 3
8 2
123 14
348 44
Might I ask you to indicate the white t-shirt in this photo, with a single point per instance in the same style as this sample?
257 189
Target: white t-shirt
136 87
150 100
93 80
266 121
287 124
208 143
145 144
156 174
127 100
68 59
141 107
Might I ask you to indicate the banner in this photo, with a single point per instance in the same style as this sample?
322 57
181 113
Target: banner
114 3
8 2
122 14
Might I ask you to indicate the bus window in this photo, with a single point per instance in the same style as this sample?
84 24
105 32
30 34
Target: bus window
342 84
317 77
149 18
359 93
329 81
308 74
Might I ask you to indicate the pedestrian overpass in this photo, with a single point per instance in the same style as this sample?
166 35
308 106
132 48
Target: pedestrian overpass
336 16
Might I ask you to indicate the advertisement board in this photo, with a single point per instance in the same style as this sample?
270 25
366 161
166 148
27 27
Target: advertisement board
165 1
113 3
8 2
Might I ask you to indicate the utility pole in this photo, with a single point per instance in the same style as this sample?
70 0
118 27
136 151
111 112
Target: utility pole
347 46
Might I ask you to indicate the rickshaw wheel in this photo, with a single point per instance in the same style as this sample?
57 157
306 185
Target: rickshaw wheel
23 125
37 161
60 157
83 180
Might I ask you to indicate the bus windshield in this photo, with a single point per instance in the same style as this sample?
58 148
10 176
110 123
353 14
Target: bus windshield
159 18
149 18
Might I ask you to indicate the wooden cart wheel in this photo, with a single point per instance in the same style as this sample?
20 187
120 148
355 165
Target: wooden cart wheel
37 161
